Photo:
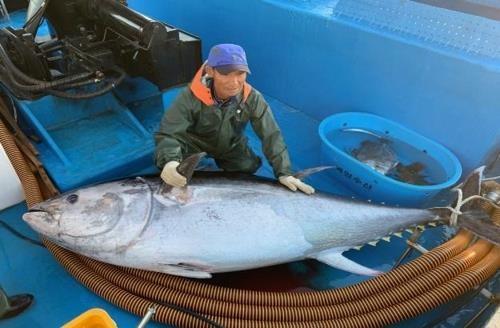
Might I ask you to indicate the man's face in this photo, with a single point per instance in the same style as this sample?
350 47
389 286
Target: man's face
228 85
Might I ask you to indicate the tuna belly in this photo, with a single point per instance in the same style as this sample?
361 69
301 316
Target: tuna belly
224 237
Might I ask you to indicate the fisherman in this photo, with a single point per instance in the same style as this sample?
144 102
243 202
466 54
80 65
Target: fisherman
210 116
11 306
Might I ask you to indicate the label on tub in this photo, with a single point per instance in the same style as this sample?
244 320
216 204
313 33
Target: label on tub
357 180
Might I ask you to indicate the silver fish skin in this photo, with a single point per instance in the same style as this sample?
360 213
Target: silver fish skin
217 224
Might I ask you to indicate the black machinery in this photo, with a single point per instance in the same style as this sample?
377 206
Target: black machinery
94 45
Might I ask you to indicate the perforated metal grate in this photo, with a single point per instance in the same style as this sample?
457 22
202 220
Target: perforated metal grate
464 32
490 3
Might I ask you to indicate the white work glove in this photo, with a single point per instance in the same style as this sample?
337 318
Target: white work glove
170 175
293 184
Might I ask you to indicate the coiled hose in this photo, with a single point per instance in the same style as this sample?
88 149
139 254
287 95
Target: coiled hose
432 279
273 312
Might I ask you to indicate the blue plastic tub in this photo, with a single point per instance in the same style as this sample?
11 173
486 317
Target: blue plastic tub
442 167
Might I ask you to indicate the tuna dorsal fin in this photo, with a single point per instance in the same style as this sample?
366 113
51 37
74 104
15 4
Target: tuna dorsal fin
187 166
334 258
305 173
179 195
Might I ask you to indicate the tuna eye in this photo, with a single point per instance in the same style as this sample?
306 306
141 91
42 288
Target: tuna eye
73 198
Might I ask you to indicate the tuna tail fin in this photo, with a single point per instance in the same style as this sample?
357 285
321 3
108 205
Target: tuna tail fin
471 186
469 210
480 225
469 196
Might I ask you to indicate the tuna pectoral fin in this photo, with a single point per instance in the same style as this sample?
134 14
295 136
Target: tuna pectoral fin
185 270
334 258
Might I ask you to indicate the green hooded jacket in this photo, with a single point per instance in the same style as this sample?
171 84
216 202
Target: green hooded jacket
195 122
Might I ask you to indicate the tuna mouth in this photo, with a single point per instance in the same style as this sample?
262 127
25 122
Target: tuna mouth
38 216
35 210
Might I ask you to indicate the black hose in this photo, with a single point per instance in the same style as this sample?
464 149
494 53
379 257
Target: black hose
12 68
48 87
79 84
86 95
33 88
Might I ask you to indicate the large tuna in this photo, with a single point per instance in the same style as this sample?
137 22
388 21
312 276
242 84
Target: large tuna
217 224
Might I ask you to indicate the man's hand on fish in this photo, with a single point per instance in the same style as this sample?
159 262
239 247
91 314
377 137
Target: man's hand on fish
293 184
170 175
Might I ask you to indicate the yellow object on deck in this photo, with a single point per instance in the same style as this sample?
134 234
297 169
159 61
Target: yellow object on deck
93 318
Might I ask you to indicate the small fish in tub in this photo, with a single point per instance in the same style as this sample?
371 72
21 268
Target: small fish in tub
379 154
412 173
